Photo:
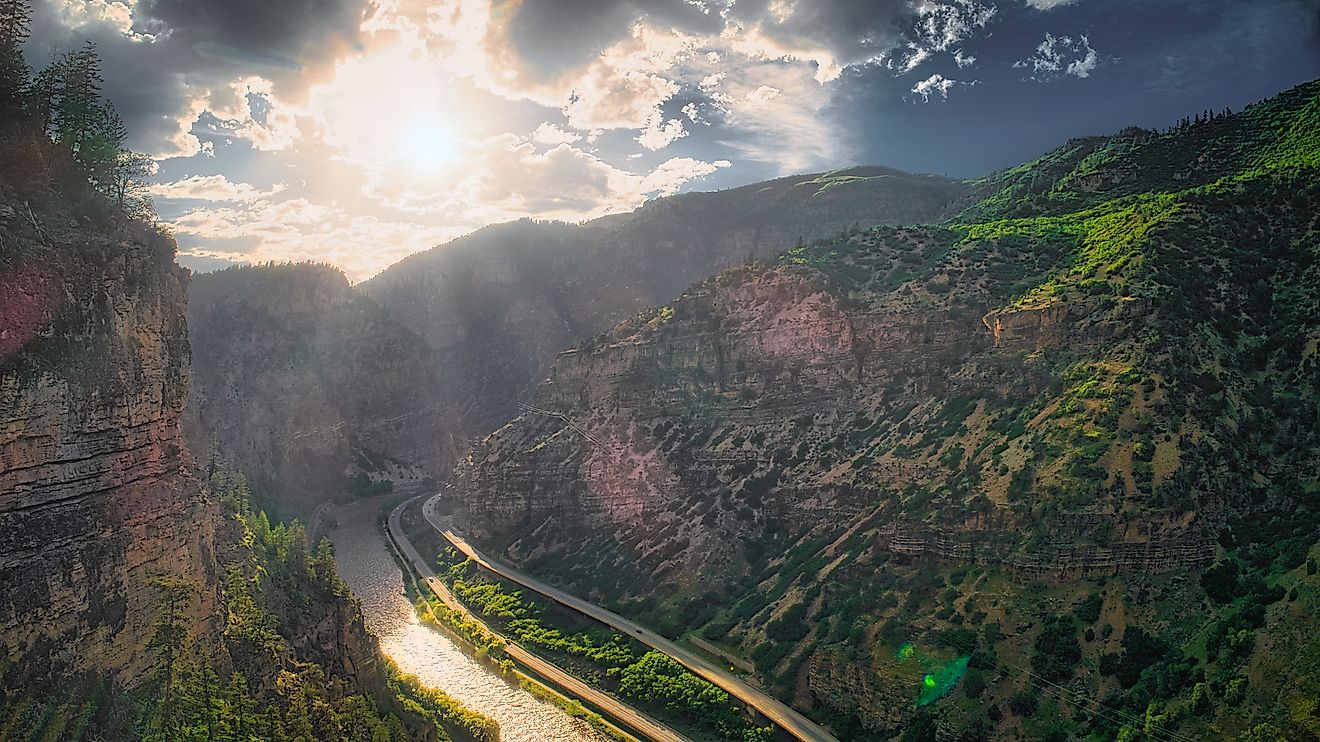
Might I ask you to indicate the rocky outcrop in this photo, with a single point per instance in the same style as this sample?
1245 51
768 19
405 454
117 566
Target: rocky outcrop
307 382
794 398
97 499
1141 547
500 304
309 389
1028 328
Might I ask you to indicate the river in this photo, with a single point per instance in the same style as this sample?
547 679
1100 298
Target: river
365 563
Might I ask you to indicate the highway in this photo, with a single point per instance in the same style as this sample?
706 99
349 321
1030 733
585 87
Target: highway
788 719
612 706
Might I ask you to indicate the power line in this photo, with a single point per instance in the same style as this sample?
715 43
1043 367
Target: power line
1132 722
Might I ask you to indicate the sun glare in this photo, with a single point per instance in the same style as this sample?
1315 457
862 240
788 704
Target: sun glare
426 142
393 109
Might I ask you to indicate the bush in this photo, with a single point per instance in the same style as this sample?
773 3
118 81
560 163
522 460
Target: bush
1024 704
1057 651
1221 581
1088 611
790 626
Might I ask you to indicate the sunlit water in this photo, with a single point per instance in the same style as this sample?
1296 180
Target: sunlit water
365 563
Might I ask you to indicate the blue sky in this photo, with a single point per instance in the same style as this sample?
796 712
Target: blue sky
359 131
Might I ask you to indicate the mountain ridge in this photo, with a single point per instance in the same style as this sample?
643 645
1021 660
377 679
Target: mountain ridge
1093 385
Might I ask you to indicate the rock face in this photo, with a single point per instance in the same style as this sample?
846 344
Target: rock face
1011 436
771 399
97 498
305 383
968 390
499 304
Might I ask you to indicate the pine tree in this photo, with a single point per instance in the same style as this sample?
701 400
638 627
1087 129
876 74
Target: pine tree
15 25
85 122
78 107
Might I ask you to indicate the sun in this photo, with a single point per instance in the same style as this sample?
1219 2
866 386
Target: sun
426 142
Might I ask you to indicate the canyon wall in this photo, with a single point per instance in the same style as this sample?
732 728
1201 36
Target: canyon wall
97 497
310 389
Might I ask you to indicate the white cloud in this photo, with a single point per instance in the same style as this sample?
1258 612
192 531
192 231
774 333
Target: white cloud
1057 56
1048 4
936 84
365 187
512 180
213 188
673 174
1086 65
118 15
659 133
939 28
548 133
301 230
763 94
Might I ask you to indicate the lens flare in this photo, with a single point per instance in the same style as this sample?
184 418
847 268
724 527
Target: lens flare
938 677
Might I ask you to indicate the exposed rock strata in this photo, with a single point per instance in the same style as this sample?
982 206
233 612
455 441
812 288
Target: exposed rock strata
97 498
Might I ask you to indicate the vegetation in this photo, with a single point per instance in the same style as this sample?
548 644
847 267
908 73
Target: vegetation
1147 383
614 662
260 679
272 581
63 106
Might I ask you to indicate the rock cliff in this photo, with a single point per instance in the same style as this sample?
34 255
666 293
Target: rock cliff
97 494
308 383
499 304
310 389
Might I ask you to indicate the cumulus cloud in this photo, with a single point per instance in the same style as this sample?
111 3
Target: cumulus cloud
1058 56
405 121
660 133
939 27
166 62
548 133
213 188
936 84
673 174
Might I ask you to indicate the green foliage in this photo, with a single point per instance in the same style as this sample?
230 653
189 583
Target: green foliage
790 626
1088 611
1221 581
656 679
663 683
1057 651
1140 651
272 585
64 103
440 709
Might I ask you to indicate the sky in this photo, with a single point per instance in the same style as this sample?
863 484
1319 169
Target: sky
356 132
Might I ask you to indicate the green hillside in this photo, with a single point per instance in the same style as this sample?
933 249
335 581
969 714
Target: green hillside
1046 471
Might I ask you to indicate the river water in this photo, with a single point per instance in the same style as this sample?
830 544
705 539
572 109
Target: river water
365 563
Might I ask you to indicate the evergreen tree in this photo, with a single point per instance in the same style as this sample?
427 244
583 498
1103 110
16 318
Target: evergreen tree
85 122
15 24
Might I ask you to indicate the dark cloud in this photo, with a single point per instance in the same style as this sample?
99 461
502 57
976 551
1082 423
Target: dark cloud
176 49
259 32
552 35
